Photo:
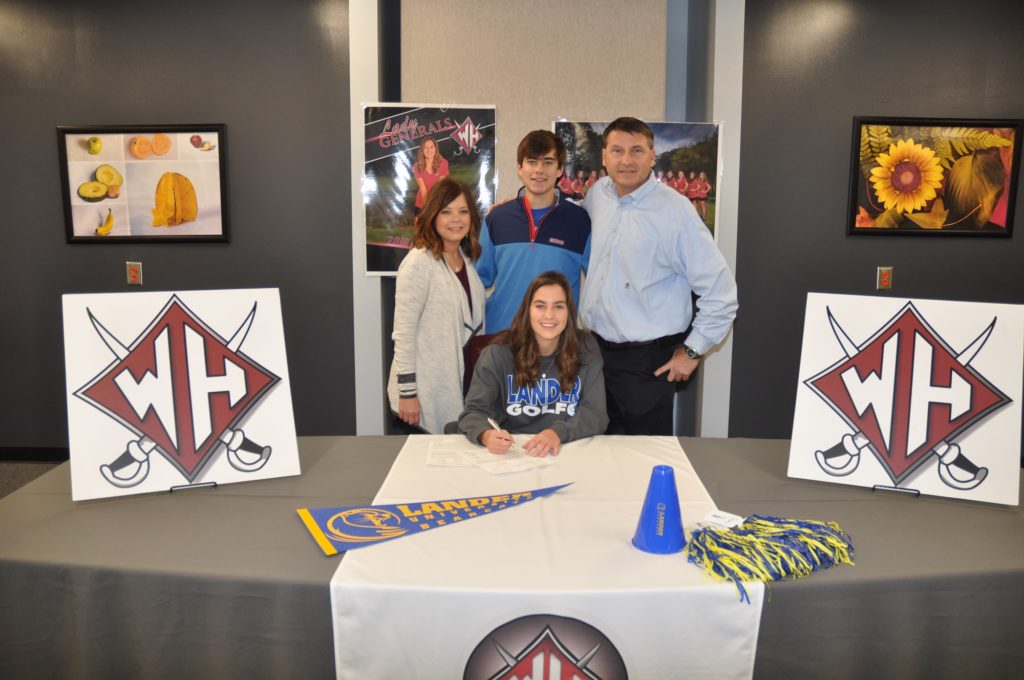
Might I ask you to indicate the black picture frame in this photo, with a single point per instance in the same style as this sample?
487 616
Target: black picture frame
153 183
933 176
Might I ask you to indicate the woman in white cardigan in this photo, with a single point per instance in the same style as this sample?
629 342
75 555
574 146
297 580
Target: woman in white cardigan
439 307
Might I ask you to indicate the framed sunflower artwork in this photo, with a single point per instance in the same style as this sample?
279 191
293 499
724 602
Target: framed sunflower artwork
925 176
143 183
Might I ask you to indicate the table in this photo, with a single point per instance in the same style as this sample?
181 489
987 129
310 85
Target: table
937 590
444 600
205 583
229 584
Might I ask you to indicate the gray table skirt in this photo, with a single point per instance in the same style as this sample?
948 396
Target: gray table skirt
224 583
204 583
937 590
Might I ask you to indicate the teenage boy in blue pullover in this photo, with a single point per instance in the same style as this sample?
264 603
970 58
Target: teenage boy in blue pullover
540 230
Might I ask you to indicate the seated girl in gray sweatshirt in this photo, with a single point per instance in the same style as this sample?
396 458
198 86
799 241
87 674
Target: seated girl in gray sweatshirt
542 376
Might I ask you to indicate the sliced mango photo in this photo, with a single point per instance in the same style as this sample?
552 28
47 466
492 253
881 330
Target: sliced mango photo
175 201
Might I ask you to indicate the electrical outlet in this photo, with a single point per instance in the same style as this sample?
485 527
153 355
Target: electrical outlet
133 273
883 278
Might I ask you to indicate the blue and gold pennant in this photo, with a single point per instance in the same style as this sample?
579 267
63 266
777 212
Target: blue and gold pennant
337 529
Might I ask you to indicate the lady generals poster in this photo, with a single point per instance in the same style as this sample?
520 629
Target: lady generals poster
409 148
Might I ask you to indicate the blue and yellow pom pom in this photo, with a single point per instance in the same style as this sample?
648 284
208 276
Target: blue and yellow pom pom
766 549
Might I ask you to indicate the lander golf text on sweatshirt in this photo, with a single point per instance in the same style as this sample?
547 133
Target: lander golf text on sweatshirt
578 413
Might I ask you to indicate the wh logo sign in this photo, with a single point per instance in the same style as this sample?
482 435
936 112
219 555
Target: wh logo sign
546 658
906 394
467 134
878 392
545 643
182 389
156 389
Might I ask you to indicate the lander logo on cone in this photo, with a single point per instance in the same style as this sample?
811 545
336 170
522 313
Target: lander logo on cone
545 646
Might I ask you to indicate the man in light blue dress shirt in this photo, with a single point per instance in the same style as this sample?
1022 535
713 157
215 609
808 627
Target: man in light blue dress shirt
650 253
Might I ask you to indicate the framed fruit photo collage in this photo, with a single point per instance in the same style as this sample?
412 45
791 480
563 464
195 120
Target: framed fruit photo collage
151 183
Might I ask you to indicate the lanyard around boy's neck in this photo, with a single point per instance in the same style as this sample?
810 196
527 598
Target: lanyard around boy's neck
529 217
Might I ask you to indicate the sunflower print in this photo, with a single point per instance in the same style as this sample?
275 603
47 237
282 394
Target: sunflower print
907 176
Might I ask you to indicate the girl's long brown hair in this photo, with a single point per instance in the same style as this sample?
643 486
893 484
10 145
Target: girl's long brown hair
520 339
440 195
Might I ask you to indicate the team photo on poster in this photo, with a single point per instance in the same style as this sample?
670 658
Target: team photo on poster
686 160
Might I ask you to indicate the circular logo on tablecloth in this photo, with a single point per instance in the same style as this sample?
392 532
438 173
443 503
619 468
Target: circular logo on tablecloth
545 646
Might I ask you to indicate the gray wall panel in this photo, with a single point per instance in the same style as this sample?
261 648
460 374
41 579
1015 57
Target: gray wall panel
536 61
276 73
809 68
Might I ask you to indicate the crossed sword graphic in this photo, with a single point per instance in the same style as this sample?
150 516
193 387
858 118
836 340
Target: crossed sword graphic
950 455
511 661
138 450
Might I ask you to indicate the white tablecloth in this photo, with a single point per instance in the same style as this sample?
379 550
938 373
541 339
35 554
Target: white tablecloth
416 607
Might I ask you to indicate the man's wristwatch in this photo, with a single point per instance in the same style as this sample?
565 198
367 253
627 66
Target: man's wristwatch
690 352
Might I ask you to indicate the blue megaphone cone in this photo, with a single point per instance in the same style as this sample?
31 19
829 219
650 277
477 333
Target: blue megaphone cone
660 529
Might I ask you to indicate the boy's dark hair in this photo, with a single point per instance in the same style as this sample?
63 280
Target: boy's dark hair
538 143
633 126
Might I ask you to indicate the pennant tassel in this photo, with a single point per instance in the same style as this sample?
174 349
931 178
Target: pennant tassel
764 548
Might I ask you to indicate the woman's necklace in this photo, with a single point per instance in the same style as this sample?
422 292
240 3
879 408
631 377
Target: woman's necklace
454 260
544 369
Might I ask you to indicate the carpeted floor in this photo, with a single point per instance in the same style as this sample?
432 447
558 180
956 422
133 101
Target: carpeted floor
13 476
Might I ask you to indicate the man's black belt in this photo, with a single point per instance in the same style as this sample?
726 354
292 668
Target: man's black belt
667 341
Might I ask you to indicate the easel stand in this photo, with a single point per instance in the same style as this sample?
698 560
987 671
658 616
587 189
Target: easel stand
185 487
896 489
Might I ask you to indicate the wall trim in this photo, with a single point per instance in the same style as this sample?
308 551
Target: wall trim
364 83
726 108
